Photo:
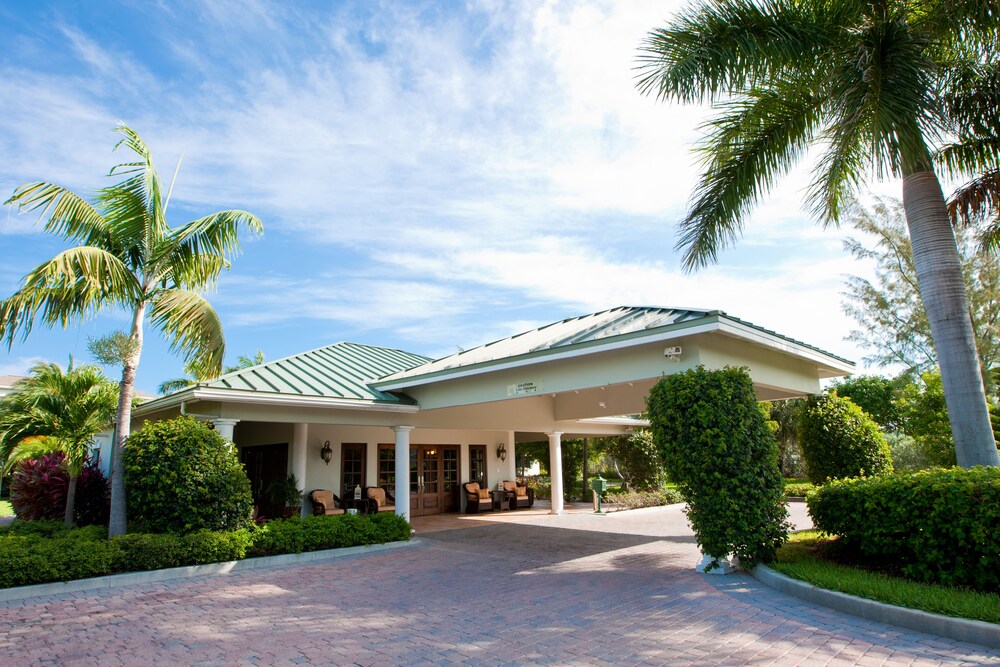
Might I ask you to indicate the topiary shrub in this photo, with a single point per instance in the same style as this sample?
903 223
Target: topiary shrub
934 525
181 476
38 491
839 440
716 445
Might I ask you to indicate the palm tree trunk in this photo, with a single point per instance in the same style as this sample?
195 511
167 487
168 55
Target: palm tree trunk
118 523
942 289
70 501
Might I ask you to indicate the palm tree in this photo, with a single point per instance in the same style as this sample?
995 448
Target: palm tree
128 257
870 84
67 409
196 374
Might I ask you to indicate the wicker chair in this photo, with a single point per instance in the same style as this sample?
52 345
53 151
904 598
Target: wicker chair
476 499
325 503
379 500
519 497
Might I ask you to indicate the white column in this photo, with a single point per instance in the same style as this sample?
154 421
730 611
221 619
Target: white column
512 453
403 470
224 427
299 438
555 469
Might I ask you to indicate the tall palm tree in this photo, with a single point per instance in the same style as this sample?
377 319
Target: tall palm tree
868 83
68 408
128 257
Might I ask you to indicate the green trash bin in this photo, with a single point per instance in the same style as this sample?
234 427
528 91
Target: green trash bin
599 486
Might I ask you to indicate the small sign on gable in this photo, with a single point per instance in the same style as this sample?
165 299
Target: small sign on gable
525 388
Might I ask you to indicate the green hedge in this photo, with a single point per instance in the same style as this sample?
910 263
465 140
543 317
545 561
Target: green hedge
939 526
35 552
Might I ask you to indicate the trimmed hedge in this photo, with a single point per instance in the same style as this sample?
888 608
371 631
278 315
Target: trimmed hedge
940 526
716 445
35 552
633 500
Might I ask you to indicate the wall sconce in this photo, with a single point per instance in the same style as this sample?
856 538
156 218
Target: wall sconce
326 452
501 451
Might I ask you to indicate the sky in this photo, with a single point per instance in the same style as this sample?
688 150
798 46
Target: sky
431 176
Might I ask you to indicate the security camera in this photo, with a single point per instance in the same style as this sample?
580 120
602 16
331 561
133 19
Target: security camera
672 351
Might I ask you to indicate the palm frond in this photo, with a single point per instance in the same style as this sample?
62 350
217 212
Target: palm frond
713 49
195 253
747 149
68 214
76 283
192 326
170 386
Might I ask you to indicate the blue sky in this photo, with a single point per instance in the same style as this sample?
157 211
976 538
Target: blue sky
430 175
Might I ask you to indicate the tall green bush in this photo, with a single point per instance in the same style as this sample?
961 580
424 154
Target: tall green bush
839 440
181 476
716 445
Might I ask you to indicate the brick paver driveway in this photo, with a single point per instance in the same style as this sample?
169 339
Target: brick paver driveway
576 589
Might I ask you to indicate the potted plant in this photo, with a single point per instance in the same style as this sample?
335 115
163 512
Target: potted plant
285 492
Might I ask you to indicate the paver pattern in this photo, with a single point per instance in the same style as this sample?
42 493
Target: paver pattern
576 589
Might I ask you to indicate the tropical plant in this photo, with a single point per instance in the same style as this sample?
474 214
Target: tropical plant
285 492
68 408
128 257
40 487
876 85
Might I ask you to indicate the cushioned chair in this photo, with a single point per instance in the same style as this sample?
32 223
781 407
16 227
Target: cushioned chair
519 497
476 499
379 500
325 503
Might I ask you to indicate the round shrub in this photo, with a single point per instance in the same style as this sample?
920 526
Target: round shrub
839 440
716 445
934 525
181 476
38 491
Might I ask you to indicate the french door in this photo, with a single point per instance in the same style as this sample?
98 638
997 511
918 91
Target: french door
433 479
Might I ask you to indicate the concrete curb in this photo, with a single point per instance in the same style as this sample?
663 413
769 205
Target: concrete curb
190 571
961 629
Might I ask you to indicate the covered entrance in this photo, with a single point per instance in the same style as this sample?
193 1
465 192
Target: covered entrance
265 464
433 479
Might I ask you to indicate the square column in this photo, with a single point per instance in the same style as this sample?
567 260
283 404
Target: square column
555 470
403 470
300 435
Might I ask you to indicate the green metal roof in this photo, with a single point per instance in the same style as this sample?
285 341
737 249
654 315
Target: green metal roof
341 370
615 324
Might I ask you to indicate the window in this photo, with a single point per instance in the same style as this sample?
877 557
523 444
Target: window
352 468
387 468
477 465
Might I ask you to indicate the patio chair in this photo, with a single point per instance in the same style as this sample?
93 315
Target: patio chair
519 497
379 500
325 503
477 499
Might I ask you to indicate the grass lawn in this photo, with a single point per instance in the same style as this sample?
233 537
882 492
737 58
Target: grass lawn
800 559
5 508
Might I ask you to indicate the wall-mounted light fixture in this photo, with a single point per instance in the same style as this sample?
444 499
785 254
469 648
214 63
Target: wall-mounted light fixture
501 451
326 452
